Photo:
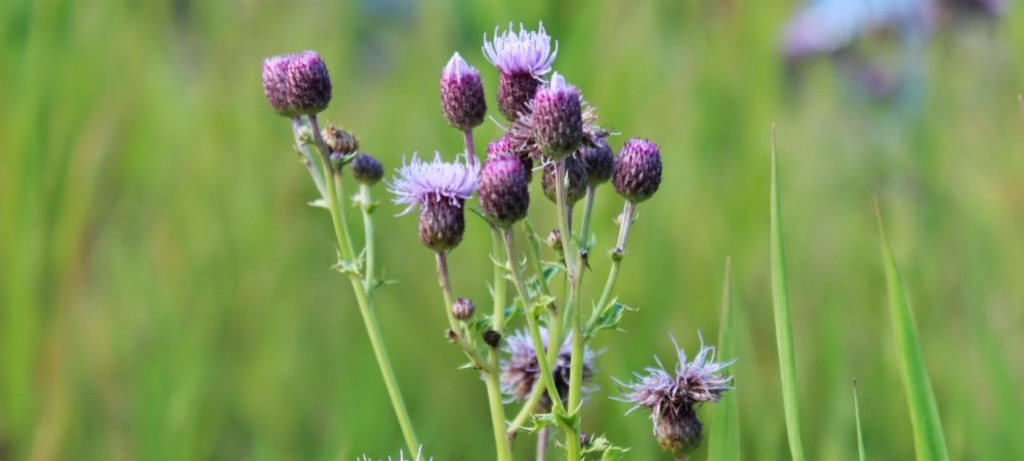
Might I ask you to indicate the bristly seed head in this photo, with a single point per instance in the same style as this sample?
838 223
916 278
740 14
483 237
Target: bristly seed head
440 190
672 397
521 371
296 84
598 159
521 60
462 94
637 174
339 140
575 189
367 169
504 190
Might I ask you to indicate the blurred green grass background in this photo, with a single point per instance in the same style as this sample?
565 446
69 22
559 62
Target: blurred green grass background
165 294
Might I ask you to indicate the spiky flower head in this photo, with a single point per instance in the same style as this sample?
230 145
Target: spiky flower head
598 159
296 84
557 118
339 140
504 190
367 169
637 172
672 398
520 372
575 188
440 190
462 94
521 58
507 145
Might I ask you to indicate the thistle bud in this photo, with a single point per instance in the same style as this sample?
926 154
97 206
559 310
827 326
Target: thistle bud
462 94
463 309
637 172
506 145
339 140
504 190
296 84
575 189
367 169
554 240
557 118
678 431
598 161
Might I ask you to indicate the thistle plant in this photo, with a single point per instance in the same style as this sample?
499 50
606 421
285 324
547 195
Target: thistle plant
543 370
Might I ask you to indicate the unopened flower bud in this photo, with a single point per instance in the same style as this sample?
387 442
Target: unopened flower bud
462 94
504 190
637 172
339 140
598 160
492 338
367 169
297 84
554 240
575 189
557 118
463 309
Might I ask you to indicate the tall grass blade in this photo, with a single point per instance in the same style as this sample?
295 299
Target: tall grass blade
783 320
856 414
929 442
725 424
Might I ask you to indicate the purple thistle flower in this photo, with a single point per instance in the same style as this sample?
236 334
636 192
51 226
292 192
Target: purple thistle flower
599 160
672 397
521 60
507 145
521 371
440 189
504 190
637 174
296 84
557 118
367 169
462 94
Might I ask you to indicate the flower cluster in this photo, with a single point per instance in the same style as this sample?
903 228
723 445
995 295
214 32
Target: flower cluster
520 372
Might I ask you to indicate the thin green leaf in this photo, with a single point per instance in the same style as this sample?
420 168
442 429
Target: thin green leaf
783 321
725 423
929 441
856 414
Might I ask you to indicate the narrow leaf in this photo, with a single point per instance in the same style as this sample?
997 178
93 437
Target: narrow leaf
856 414
929 442
783 321
725 427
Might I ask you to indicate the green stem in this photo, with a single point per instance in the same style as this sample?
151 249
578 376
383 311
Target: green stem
619 252
501 441
547 378
572 434
467 136
531 236
370 273
307 157
588 211
456 334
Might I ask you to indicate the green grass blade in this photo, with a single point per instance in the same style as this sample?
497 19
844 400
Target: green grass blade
856 414
725 423
783 320
929 442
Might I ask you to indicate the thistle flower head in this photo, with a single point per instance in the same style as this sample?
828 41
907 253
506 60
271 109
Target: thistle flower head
463 309
598 159
504 190
520 372
527 52
575 188
507 145
557 118
339 140
672 397
637 174
521 60
440 190
462 94
423 184
296 84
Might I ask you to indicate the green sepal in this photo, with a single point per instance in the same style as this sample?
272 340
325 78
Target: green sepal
608 318
603 447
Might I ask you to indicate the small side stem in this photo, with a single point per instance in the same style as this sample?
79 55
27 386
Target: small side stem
467 136
588 212
307 158
370 273
542 444
619 252
502 443
456 333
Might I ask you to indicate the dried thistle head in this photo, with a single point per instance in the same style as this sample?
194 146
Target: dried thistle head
673 397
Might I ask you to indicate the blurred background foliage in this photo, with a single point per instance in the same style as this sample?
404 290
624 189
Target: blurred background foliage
165 292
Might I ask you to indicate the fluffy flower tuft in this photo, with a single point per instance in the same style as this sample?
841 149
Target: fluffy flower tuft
521 371
422 183
672 397
526 52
